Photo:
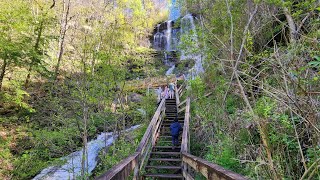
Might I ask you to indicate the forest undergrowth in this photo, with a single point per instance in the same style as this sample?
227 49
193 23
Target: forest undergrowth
262 68
64 68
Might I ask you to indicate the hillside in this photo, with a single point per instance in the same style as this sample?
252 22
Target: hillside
72 70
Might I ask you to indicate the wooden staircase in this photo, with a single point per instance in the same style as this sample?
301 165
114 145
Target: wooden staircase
156 159
165 161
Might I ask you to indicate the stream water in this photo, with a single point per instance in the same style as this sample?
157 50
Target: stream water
72 168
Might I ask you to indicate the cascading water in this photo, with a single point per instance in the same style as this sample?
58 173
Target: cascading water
170 70
169 37
157 39
72 168
189 34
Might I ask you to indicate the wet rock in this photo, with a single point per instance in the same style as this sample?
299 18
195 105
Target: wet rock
134 97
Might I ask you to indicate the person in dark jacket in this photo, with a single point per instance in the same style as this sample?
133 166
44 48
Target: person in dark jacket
175 128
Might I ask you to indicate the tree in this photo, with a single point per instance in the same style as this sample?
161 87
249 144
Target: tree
42 19
65 18
14 38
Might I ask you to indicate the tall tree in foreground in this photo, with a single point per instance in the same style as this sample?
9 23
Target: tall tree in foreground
14 27
65 18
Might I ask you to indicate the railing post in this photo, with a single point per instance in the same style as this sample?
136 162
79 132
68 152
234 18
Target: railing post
136 169
177 97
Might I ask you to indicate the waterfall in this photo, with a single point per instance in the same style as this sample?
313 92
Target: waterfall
170 38
170 70
157 38
72 168
190 38
168 35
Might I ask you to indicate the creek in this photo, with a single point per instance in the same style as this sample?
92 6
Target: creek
71 169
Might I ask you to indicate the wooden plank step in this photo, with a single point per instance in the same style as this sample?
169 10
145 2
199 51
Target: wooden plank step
168 137
169 124
166 176
171 121
165 159
164 167
165 147
166 153
165 142
172 118
166 132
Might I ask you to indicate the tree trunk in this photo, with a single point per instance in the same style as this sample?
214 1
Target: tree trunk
3 71
292 26
36 48
84 161
64 23
264 136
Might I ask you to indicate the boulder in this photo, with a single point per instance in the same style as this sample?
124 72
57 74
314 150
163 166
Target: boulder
134 97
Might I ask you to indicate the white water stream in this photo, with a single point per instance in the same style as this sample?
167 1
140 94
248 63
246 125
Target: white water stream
170 70
72 168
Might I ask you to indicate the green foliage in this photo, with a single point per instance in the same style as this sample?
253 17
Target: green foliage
197 86
16 98
316 62
265 107
121 149
224 156
28 165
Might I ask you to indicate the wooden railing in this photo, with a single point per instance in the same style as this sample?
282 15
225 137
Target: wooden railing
185 146
190 164
209 170
136 161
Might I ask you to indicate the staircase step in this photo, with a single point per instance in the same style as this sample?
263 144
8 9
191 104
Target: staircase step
164 167
167 137
165 159
165 147
170 120
169 124
166 132
166 153
165 142
166 176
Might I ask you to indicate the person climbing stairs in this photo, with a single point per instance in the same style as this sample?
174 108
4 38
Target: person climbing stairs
165 160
